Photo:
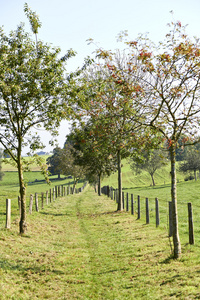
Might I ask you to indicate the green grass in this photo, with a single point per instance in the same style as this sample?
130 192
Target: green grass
9 188
187 191
131 180
78 247
6 166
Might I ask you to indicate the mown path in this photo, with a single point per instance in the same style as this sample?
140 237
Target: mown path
79 247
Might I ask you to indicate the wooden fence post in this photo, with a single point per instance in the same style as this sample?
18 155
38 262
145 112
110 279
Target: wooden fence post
36 202
56 190
147 211
64 191
47 197
132 205
190 222
31 204
42 199
50 195
157 212
138 202
127 208
170 219
123 200
111 193
8 213
54 194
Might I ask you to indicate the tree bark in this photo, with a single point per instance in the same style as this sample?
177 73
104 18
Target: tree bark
74 185
120 205
195 175
99 184
176 239
22 223
152 178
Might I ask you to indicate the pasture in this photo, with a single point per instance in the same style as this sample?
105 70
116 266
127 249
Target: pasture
187 191
79 247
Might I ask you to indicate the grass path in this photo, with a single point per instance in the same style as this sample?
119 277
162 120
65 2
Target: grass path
80 248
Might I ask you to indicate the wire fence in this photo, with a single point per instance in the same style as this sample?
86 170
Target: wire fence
11 209
157 211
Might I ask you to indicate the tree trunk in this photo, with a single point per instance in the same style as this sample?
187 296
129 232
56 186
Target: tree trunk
22 223
99 184
74 186
195 175
176 239
120 205
152 178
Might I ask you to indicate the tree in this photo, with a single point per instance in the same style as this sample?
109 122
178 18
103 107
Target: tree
191 163
55 162
171 86
113 108
31 91
69 166
62 162
89 153
150 162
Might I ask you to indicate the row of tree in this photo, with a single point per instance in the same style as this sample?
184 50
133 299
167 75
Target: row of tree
123 103
62 162
129 102
79 163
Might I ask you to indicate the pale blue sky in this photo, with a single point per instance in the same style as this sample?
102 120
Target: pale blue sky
69 23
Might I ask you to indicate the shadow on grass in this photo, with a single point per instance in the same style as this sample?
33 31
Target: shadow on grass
148 187
53 214
170 280
168 260
82 215
111 271
7 266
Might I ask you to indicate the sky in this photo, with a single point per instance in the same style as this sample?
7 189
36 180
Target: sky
70 23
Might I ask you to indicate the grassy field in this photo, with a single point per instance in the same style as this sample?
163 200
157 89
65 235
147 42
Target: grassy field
131 180
187 191
9 188
79 247
8 167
